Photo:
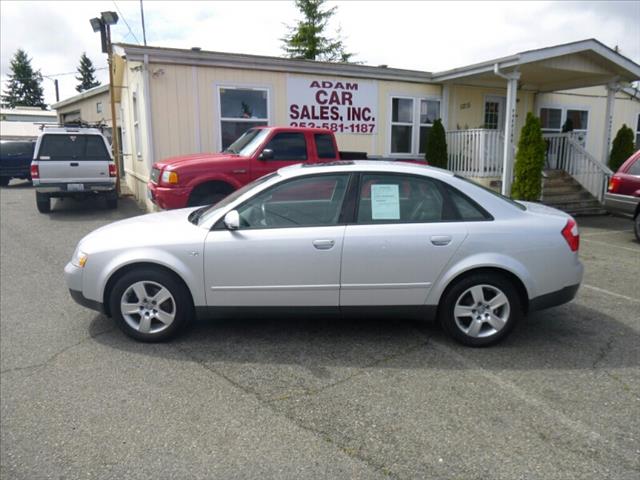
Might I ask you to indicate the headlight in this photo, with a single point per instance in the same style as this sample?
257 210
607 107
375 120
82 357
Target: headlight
79 258
169 177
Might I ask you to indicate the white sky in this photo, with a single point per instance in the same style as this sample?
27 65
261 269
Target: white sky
429 36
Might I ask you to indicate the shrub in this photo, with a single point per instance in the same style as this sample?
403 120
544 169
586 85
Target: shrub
436 152
622 147
527 182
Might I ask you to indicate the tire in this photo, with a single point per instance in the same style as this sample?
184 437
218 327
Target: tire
208 194
112 201
4 181
43 202
636 226
146 321
486 325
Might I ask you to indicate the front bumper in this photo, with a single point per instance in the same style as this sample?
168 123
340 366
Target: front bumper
73 278
85 302
168 198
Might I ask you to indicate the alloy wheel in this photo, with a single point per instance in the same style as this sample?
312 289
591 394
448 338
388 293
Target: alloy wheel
148 307
482 311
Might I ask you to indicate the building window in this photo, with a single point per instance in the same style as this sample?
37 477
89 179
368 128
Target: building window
551 120
411 122
429 113
240 110
98 107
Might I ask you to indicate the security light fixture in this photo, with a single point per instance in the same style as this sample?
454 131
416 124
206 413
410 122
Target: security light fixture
96 23
109 18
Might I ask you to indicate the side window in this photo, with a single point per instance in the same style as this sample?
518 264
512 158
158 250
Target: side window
324 144
634 168
288 146
302 202
467 209
399 199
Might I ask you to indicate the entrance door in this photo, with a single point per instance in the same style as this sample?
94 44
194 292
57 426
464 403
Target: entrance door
494 112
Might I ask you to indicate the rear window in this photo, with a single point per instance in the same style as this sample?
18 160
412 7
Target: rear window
16 149
494 193
73 147
324 144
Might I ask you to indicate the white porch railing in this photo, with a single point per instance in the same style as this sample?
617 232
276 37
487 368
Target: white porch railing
476 153
564 152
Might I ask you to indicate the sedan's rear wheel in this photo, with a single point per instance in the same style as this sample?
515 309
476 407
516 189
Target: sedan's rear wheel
150 304
480 309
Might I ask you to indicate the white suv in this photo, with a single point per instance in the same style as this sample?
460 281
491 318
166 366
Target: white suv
72 162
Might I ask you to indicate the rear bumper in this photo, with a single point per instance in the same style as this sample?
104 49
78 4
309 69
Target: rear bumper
621 204
16 172
168 198
63 189
554 299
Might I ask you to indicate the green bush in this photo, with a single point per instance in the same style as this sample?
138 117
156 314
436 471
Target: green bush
527 182
622 147
436 152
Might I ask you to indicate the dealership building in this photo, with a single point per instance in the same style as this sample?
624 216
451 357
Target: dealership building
175 102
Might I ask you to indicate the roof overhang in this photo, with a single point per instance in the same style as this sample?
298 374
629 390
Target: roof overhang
92 92
258 62
573 65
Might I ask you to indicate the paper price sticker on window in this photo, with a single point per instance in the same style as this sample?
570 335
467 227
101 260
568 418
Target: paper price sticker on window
385 202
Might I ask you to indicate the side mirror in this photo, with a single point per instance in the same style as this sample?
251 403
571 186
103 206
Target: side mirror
232 220
267 154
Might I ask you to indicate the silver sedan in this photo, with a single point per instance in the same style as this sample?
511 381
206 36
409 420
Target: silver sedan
349 236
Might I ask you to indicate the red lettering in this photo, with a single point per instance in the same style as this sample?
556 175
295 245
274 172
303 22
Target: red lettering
314 84
347 98
294 112
335 113
326 84
352 86
321 97
366 114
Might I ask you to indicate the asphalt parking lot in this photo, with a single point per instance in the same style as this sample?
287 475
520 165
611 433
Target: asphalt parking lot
297 398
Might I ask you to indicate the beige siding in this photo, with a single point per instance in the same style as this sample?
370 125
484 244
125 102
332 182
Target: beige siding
88 110
594 99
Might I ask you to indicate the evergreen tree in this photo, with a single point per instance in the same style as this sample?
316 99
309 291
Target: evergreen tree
527 182
86 74
622 147
306 39
24 86
436 153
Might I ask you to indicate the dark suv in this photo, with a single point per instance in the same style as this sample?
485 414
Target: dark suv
623 196
15 160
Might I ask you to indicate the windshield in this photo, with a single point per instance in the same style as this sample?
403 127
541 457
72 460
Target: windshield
206 212
248 142
493 192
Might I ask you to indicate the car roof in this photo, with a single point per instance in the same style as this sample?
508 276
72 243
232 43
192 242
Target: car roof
74 130
364 166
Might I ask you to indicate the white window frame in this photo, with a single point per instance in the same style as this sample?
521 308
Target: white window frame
99 107
415 124
239 86
563 118
135 103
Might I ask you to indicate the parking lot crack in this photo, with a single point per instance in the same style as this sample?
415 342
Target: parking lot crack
603 352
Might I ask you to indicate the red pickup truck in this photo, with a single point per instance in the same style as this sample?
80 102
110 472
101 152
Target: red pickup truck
205 178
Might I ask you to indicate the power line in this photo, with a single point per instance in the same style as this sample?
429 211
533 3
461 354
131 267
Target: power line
68 73
125 22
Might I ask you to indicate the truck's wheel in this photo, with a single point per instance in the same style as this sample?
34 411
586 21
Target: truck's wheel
636 224
4 181
112 200
208 194
43 202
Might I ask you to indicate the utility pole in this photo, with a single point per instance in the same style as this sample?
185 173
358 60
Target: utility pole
103 25
144 32
55 82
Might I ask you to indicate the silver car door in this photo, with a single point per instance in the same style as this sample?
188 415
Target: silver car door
287 251
400 242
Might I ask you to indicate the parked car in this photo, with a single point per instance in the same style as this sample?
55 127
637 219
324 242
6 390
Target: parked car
15 160
394 237
73 162
623 195
201 179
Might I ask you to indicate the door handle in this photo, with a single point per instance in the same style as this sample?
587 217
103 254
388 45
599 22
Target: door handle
440 240
74 164
324 244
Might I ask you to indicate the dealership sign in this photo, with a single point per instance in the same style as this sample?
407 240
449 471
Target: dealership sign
342 105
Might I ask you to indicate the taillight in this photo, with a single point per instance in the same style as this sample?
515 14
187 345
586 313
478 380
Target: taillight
614 184
35 171
571 235
112 170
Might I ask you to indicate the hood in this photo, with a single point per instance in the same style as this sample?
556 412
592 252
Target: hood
195 159
153 229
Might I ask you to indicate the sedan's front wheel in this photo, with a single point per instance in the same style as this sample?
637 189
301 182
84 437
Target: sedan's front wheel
150 304
480 309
